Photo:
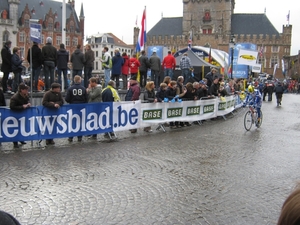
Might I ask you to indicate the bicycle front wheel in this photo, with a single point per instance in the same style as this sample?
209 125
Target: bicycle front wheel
248 120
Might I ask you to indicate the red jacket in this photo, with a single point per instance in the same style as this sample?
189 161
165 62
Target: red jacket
125 67
169 62
134 65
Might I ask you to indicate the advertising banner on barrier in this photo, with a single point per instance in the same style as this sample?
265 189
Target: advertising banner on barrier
126 115
37 123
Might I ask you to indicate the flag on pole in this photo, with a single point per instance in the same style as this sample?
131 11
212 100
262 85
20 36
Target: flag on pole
190 41
136 21
142 35
288 18
261 51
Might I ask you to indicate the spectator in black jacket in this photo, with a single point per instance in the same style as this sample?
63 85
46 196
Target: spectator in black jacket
279 92
62 65
16 66
144 66
53 99
36 64
76 94
20 101
161 93
49 54
214 88
77 60
6 64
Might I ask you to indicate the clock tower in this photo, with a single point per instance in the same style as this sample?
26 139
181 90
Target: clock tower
207 16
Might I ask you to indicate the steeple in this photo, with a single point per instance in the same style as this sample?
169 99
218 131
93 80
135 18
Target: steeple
81 22
81 11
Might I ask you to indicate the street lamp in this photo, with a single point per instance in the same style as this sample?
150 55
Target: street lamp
231 46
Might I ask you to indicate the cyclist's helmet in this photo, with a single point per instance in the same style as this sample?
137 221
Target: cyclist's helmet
250 89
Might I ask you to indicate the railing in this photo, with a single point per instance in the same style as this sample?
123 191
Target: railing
6 22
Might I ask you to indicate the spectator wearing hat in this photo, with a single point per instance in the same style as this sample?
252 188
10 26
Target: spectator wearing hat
185 66
125 70
62 65
76 94
88 64
77 60
17 68
18 102
155 66
49 54
36 61
116 70
6 64
169 64
54 100
202 91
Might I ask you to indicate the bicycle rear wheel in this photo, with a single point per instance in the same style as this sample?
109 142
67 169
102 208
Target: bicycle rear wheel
248 121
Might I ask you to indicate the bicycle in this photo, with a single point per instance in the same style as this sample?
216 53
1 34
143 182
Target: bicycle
251 118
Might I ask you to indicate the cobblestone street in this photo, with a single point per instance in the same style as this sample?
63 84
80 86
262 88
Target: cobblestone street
214 173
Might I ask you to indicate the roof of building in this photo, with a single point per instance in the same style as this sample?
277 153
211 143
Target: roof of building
42 9
241 24
111 39
252 24
167 26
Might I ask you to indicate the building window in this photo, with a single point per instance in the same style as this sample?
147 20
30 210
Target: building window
5 37
22 52
58 40
67 41
96 65
275 49
96 53
50 34
50 26
207 17
207 31
72 29
274 60
75 41
21 37
261 60
26 22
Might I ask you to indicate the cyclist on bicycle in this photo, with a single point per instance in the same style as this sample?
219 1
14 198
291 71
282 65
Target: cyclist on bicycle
254 98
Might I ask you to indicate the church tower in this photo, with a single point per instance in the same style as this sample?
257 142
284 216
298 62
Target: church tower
207 17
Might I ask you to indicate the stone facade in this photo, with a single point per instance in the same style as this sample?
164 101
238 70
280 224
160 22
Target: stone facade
49 15
210 22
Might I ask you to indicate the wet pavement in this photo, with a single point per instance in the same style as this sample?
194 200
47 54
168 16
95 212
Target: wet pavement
215 173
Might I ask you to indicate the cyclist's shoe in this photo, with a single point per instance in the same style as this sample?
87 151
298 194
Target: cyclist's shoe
258 122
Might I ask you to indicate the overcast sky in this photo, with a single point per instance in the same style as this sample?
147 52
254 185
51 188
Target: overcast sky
119 16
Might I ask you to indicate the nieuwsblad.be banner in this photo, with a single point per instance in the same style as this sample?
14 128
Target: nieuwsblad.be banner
37 123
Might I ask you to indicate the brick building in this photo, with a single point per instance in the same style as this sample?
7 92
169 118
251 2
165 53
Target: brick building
213 23
15 16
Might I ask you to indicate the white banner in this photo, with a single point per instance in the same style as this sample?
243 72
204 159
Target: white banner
247 57
256 68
